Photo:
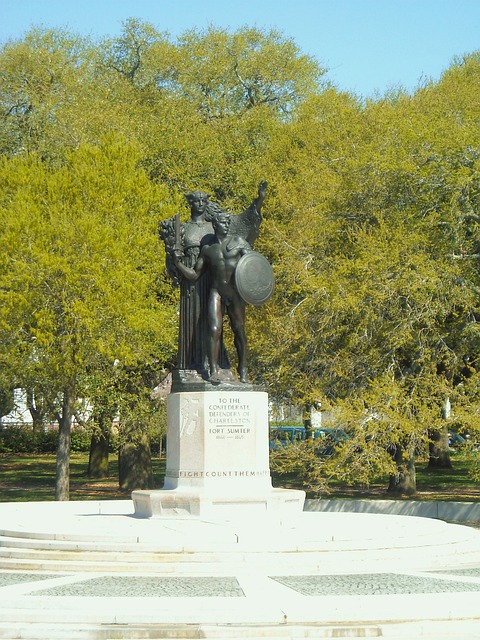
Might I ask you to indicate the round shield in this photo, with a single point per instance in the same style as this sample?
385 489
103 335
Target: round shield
254 278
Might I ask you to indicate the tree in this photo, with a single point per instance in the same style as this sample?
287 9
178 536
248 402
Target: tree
139 414
371 221
79 279
7 402
224 73
103 401
372 287
43 77
141 55
38 408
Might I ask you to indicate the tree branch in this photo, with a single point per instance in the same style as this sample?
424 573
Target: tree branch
470 256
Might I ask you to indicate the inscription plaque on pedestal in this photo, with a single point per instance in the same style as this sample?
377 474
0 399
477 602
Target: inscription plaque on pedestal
221 443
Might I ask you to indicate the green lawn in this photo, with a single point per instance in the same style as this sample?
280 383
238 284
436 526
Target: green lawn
437 484
27 477
432 484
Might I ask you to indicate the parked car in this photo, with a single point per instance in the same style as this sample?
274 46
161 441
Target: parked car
285 435
455 440
327 438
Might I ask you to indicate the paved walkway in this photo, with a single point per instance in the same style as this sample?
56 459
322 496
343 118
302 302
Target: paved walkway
93 570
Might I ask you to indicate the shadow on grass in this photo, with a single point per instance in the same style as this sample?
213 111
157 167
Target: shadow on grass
27 477
31 478
454 484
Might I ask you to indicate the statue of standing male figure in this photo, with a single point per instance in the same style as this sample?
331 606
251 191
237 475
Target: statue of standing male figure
204 260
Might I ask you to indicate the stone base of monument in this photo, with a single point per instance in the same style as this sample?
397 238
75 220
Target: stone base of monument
218 460
276 503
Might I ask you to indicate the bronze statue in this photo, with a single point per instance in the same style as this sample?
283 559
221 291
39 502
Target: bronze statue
190 237
221 258
204 258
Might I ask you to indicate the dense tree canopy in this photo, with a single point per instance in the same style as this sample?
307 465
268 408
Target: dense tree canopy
79 280
371 223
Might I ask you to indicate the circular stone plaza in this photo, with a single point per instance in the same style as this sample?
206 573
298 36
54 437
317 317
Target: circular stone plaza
94 570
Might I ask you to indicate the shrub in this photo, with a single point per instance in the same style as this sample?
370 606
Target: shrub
22 439
81 439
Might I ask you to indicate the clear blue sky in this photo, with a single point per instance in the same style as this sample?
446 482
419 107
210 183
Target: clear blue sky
367 45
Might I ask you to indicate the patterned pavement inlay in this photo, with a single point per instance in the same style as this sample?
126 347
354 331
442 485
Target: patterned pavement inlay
372 584
467 573
139 586
8 579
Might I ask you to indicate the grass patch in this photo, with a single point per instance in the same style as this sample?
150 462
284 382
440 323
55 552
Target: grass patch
454 484
27 477
31 477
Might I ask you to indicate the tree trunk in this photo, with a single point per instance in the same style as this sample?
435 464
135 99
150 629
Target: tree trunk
98 458
307 421
62 482
439 452
135 465
99 445
403 482
7 402
36 409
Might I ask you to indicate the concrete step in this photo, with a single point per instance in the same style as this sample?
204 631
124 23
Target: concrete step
31 542
83 565
127 556
446 630
215 548
220 564
49 631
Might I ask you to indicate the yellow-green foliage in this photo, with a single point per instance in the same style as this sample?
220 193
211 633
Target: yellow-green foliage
371 221
80 262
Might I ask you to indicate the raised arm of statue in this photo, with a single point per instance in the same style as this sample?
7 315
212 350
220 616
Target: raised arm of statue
262 192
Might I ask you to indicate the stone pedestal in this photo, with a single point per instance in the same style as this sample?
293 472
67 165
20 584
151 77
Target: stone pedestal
218 460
